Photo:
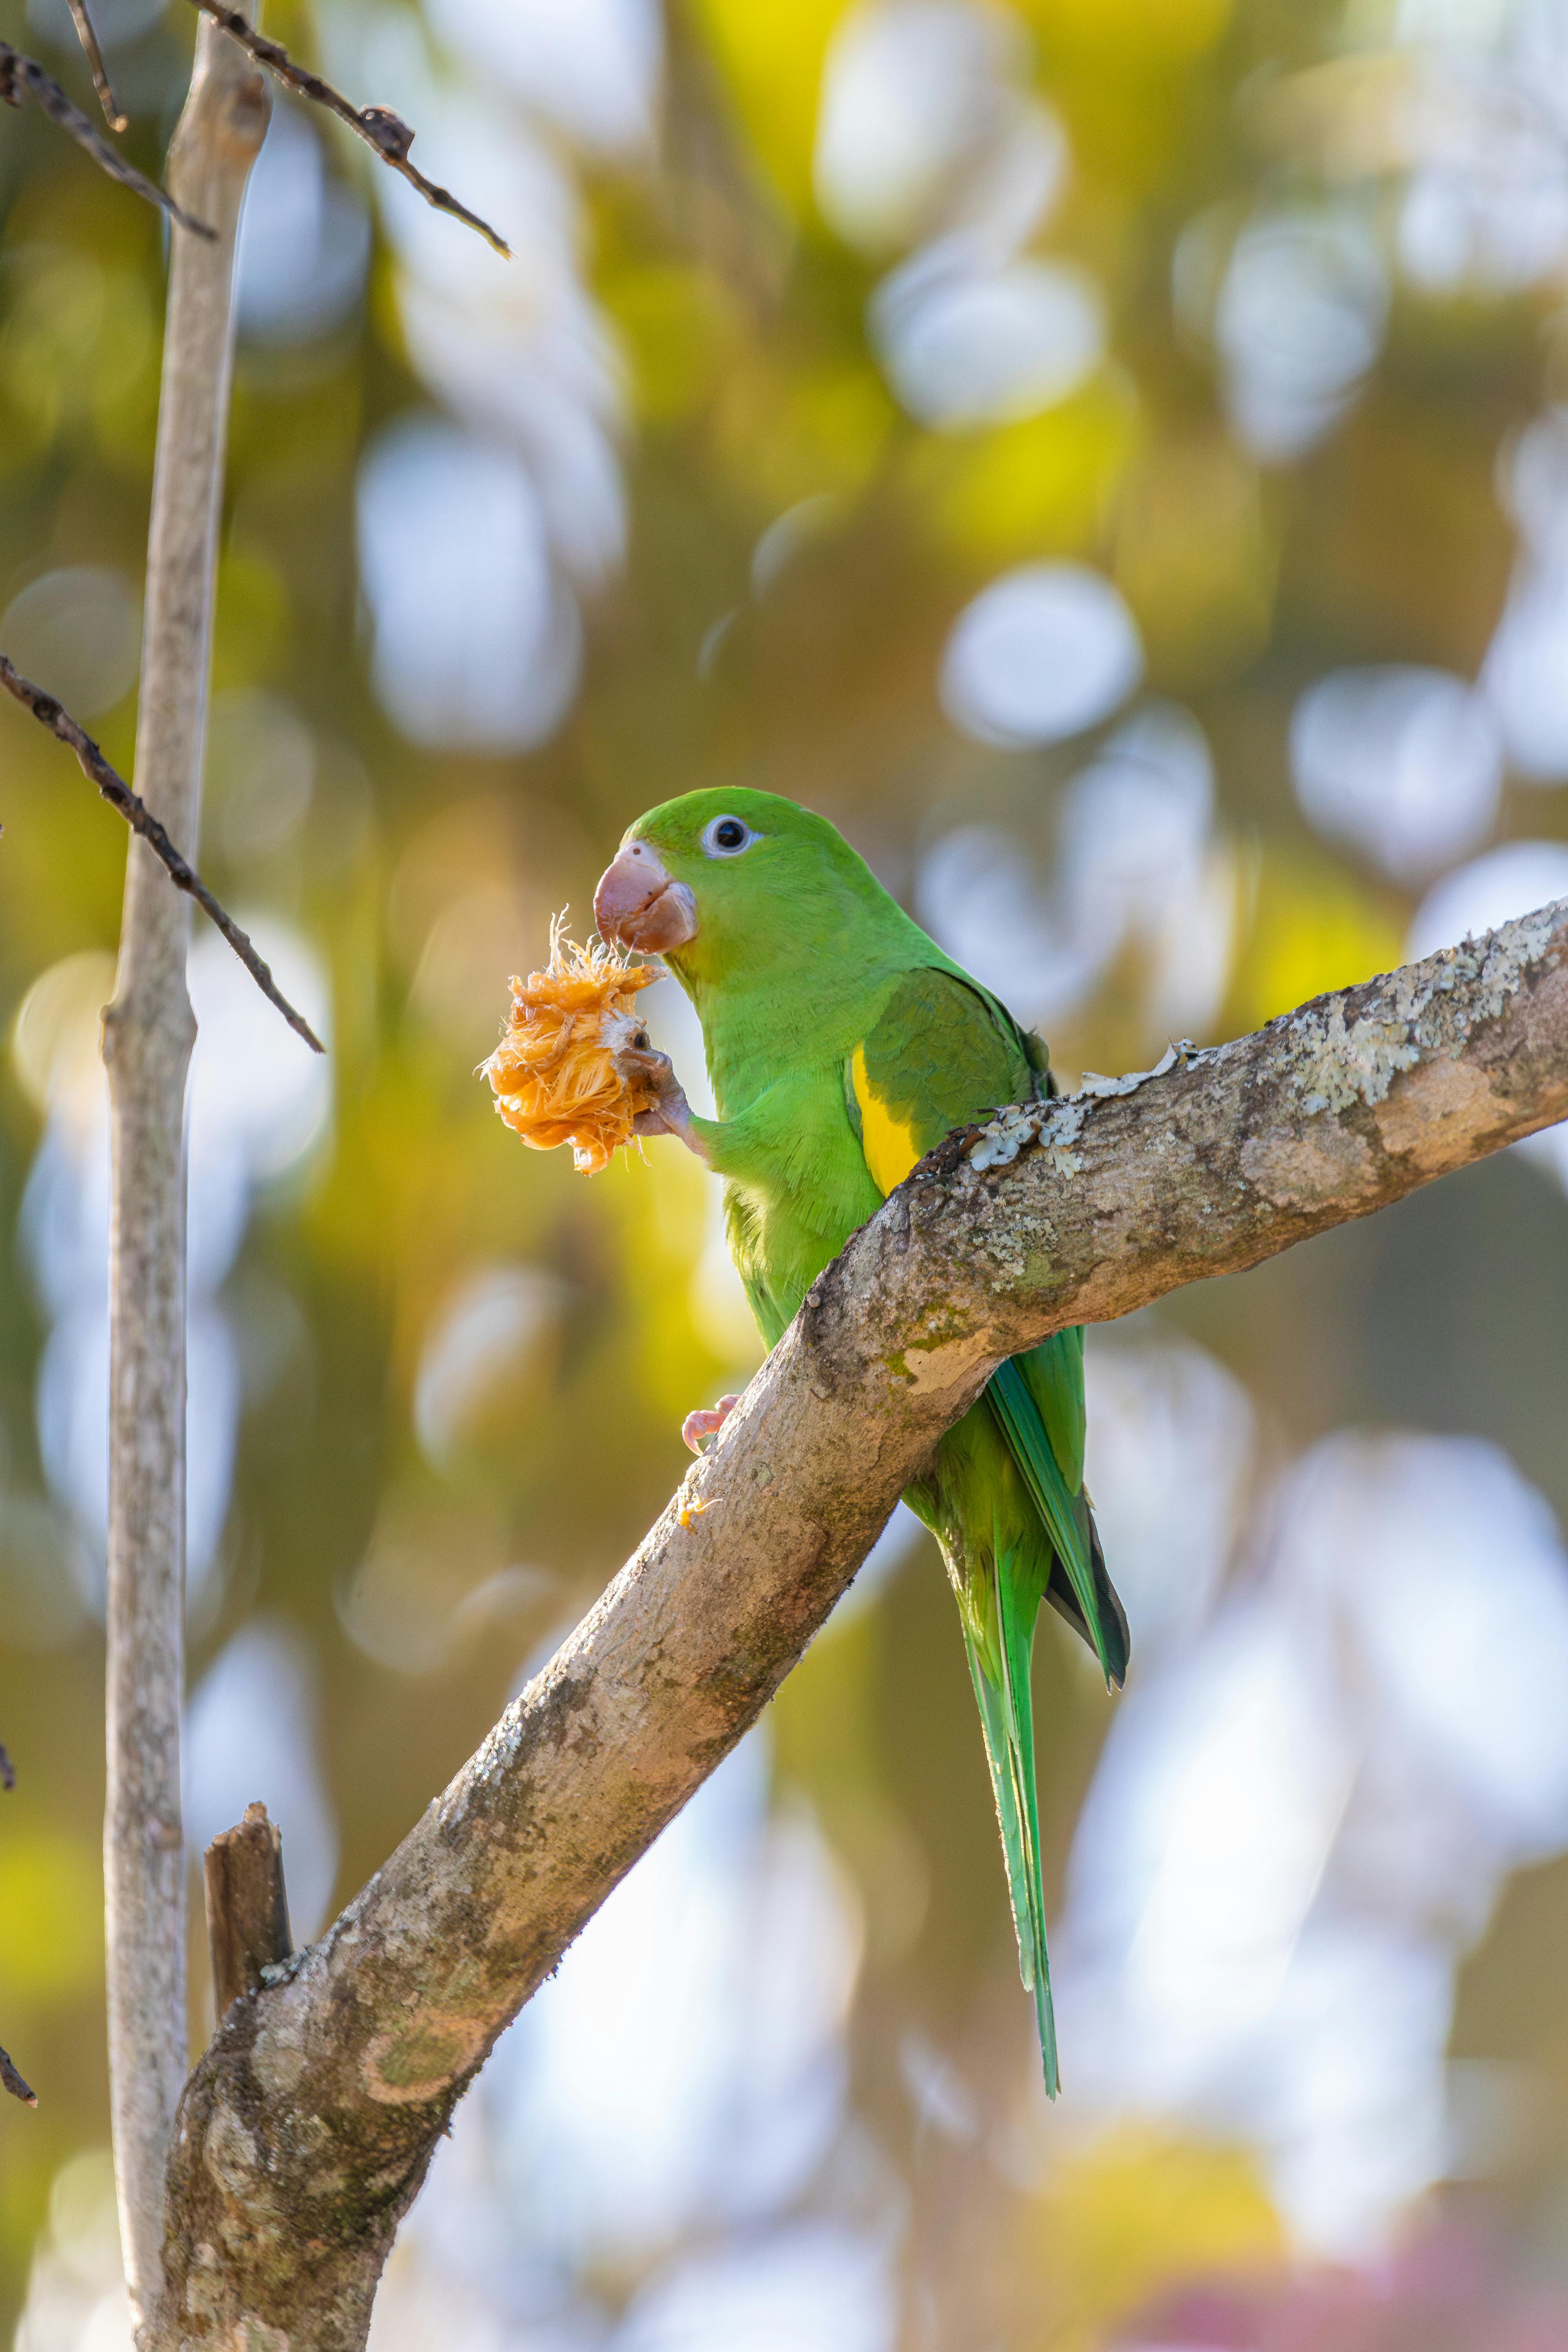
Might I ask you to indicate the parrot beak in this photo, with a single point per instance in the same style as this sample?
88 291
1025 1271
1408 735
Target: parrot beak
637 905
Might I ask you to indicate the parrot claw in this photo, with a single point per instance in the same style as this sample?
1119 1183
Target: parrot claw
671 1115
701 1428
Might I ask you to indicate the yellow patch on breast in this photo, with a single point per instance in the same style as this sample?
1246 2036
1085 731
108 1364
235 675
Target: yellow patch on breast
888 1142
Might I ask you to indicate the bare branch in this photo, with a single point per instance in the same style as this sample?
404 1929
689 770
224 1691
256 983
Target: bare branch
149 1030
12 2080
89 39
248 1906
308 2126
21 78
386 132
141 820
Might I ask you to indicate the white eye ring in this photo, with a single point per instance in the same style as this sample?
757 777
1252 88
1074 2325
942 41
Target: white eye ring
719 837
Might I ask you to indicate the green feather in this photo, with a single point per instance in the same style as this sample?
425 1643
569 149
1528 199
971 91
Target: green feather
1003 1692
1064 1514
842 1045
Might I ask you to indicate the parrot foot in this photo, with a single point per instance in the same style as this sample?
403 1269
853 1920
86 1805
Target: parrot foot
672 1113
701 1428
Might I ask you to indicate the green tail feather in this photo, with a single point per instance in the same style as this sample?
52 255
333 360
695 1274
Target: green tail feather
1065 1516
1006 1716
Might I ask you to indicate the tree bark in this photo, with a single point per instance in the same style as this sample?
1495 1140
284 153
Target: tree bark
149 1030
308 2126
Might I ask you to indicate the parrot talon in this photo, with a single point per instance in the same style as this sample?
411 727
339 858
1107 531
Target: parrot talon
671 1115
701 1428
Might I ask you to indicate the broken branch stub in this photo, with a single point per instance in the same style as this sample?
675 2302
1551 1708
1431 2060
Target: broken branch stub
248 1906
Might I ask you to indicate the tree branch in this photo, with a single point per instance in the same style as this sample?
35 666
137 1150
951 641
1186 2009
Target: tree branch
308 2126
87 35
21 78
12 2080
378 126
139 818
148 1033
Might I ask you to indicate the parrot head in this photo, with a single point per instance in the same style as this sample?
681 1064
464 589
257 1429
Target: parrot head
726 882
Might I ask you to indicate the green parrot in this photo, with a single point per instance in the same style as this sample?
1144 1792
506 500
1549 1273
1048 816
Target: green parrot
842 1045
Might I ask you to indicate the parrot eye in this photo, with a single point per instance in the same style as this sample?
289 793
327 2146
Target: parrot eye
727 836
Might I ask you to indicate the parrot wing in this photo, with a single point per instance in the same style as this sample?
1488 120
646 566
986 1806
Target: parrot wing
940 1053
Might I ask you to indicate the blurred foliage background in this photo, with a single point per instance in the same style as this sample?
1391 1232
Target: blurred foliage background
1107 457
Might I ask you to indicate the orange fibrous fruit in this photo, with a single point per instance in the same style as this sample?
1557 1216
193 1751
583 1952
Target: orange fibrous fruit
563 1071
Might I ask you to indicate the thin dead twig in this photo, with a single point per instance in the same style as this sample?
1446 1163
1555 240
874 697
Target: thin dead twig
13 2082
378 126
139 818
8 2076
89 39
22 78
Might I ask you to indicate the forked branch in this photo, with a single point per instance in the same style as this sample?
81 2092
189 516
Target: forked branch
23 78
378 126
308 2126
383 131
